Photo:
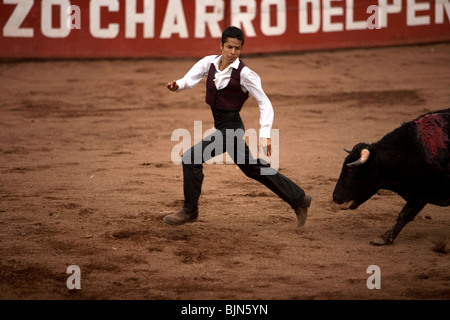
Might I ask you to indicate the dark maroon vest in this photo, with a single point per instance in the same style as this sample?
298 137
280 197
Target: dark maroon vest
231 97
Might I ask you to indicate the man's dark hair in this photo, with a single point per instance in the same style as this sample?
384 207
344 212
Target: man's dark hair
233 32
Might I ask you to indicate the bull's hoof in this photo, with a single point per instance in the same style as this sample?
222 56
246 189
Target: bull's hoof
386 238
380 241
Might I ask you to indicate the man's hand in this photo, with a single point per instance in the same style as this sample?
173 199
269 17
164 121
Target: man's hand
266 146
172 85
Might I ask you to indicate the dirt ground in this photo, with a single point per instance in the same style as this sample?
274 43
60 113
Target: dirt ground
86 177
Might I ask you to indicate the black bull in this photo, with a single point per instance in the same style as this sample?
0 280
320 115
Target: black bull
412 160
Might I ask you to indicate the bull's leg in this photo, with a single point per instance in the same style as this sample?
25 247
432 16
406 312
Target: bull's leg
408 213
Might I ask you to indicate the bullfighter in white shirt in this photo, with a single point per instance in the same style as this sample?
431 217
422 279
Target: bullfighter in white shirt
229 82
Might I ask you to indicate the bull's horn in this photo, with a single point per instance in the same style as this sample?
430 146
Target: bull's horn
365 153
347 150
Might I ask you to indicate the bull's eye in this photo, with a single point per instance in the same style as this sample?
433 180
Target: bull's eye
352 170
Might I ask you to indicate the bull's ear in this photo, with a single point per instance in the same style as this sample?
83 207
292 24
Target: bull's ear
365 153
347 150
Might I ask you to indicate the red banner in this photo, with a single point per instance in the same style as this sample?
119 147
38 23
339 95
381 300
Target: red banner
192 28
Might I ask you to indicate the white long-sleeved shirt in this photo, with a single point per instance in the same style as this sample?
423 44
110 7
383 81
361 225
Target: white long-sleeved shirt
250 81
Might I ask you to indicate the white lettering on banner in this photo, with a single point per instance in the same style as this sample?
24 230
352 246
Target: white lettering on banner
328 12
266 28
314 25
133 18
205 19
350 23
47 28
174 21
57 20
241 19
12 27
412 9
386 9
439 10
95 28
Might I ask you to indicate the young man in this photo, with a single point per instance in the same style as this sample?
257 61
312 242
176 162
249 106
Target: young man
229 82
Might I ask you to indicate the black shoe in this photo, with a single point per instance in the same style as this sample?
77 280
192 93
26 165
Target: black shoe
181 217
302 211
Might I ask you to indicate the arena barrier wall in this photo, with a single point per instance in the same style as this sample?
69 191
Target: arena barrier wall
192 28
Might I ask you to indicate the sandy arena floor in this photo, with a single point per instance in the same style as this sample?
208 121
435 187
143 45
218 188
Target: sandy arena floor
86 177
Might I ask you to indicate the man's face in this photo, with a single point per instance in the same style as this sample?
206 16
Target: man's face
231 50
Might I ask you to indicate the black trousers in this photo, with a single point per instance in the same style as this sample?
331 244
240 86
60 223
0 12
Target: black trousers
233 142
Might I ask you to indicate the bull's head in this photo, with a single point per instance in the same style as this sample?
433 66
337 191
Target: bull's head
358 180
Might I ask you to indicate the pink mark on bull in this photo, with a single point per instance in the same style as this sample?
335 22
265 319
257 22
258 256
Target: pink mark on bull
430 129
